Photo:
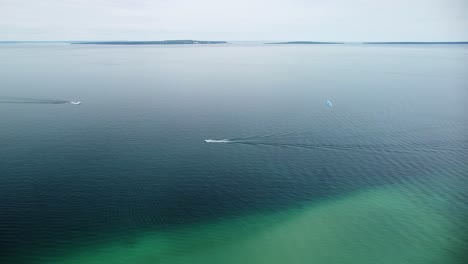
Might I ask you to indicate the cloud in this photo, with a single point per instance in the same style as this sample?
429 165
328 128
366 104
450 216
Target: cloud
358 20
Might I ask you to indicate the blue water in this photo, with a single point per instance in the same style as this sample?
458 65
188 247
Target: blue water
130 165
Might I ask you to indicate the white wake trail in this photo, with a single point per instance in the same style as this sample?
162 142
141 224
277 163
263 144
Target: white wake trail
217 141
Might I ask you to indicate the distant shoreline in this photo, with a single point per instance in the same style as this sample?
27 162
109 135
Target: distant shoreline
418 42
162 42
306 42
208 42
372 43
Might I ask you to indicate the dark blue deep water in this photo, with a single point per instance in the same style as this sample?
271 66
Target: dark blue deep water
126 177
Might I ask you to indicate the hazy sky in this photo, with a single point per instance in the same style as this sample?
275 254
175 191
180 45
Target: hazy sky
321 20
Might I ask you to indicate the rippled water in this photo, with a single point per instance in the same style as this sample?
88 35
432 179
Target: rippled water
127 177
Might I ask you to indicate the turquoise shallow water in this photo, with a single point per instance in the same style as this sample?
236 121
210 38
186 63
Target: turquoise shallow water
127 177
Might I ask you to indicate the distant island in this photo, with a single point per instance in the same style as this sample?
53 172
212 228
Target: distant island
418 42
306 42
375 43
162 42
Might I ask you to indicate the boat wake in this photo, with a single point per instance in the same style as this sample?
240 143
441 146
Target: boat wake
400 141
22 100
218 141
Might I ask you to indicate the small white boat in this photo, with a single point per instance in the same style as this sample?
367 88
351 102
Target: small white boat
217 140
75 102
329 103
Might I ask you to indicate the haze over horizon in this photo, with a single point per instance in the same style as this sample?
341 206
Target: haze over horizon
242 20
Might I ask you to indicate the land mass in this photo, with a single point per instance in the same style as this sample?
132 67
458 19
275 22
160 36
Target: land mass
185 42
161 42
305 42
418 42
376 43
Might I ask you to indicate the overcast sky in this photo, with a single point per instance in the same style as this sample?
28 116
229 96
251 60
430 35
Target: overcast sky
320 20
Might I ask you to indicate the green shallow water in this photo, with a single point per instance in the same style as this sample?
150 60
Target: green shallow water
386 225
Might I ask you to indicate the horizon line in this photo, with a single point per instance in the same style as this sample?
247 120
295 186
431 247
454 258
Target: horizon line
317 41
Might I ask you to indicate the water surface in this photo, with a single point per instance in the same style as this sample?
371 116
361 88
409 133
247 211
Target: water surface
127 177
